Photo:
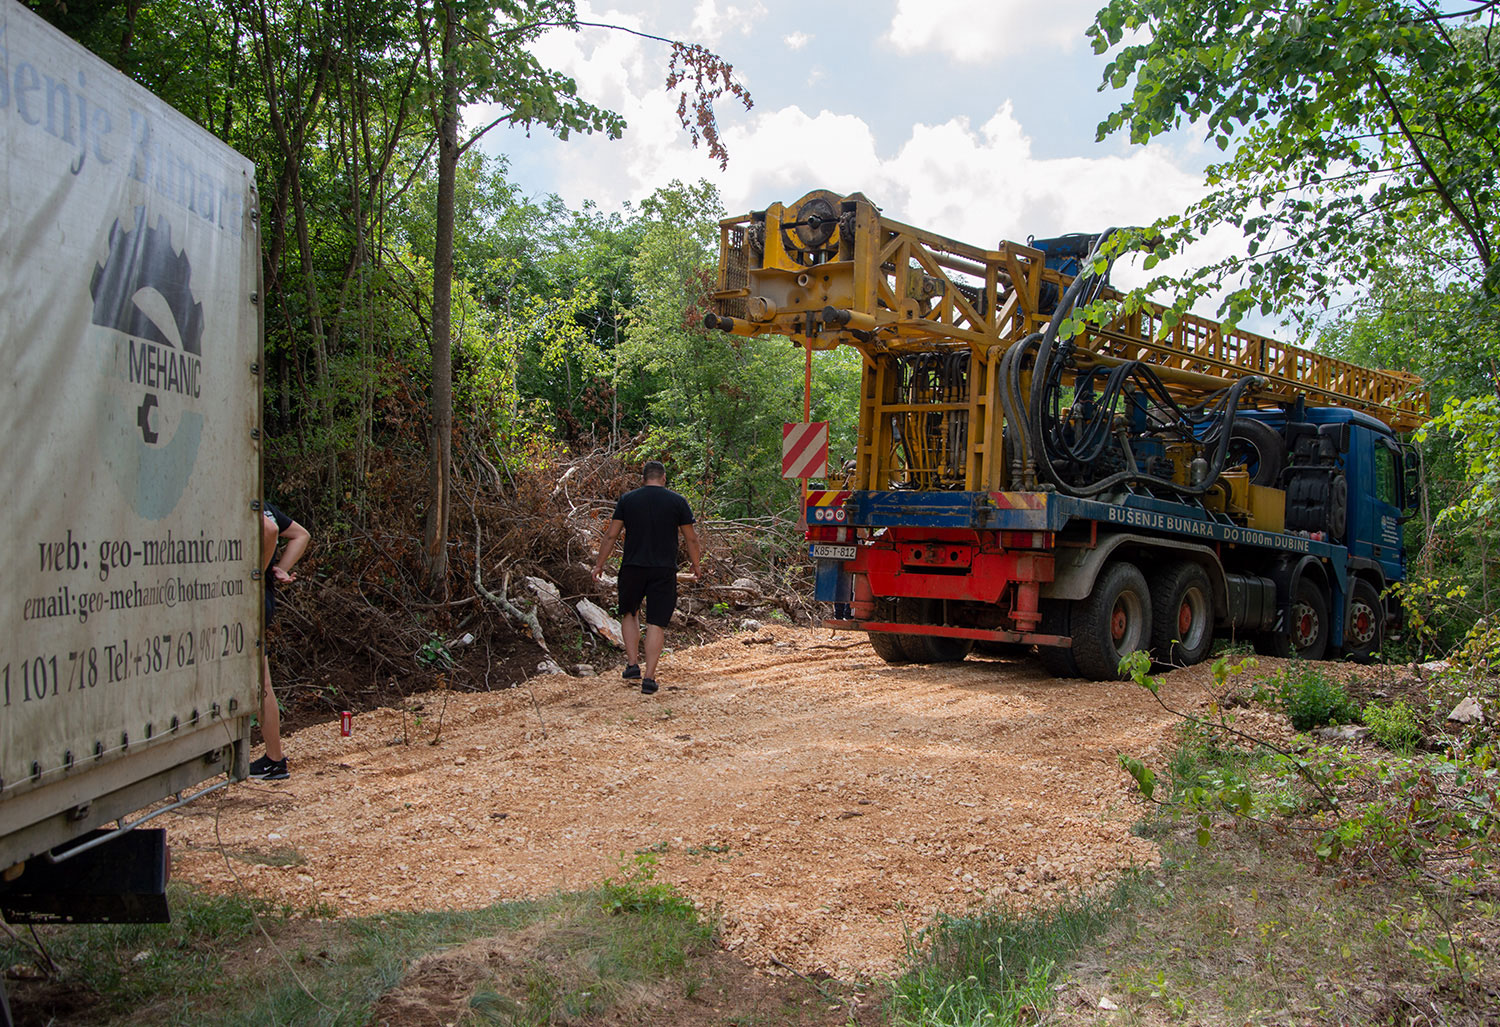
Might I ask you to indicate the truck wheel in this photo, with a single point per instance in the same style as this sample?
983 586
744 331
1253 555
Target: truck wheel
935 648
1182 615
1306 636
1365 631
1056 615
1259 447
888 647
1003 650
1309 628
1058 662
1114 620
928 648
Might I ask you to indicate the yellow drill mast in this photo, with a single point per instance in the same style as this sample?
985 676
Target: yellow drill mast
934 317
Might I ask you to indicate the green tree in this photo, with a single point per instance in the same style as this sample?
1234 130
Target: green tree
716 402
1363 142
476 54
1351 122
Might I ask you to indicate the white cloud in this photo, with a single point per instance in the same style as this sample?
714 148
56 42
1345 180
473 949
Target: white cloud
976 184
710 26
797 40
975 30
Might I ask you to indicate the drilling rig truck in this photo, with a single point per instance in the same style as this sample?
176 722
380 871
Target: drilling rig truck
1023 477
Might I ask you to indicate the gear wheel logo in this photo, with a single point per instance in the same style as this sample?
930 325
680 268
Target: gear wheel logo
149 430
144 259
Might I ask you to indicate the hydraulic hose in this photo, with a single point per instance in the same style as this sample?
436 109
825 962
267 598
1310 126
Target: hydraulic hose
1013 406
1083 441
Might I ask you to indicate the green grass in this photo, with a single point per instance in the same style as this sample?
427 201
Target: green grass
1250 929
583 955
1245 933
1396 725
125 966
998 966
1253 929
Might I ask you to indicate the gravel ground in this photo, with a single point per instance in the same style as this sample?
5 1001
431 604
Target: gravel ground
822 803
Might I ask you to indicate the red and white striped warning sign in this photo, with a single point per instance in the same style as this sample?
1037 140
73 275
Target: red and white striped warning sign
804 450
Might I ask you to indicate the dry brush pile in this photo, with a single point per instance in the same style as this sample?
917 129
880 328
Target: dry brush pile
361 630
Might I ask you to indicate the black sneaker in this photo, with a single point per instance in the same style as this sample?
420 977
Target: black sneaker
267 769
648 686
631 671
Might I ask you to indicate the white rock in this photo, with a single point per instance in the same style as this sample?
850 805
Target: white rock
601 622
1105 1002
744 583
585 670
606 579
1434 667
543 589
549 667
1342 733
1468 712
749 625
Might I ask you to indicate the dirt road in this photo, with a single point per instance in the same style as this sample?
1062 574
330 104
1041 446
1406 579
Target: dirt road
820 800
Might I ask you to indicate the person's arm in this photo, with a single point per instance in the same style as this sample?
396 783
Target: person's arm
269 533
297 540
607 545
690 539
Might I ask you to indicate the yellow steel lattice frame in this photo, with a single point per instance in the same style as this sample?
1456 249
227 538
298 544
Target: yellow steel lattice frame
890 289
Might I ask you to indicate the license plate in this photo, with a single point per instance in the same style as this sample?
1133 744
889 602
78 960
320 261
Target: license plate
824 551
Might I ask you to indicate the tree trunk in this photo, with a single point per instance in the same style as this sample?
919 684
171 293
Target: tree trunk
325 397
440 442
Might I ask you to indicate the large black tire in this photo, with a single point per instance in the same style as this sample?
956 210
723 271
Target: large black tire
1182 615
888 647
928 648
1058 662
1306 634
1308 631
935 648
1056 620
1364 631
1114 620
1259 447
1003 650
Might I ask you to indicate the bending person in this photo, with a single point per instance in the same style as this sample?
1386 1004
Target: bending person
275 525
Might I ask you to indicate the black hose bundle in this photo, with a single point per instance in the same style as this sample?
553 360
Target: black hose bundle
1077 441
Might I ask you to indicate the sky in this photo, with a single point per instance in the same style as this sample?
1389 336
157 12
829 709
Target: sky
972 118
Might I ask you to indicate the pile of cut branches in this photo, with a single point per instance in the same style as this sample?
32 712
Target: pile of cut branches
361 629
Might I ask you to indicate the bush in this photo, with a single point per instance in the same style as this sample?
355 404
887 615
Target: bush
1311 698
1395 726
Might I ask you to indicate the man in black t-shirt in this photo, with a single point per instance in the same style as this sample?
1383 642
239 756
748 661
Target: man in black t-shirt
651 517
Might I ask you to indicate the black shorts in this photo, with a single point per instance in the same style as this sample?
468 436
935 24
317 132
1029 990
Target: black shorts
657 585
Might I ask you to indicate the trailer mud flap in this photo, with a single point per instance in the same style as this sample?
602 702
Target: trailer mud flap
122 881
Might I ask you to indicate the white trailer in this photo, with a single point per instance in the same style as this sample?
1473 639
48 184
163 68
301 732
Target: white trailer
131 603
